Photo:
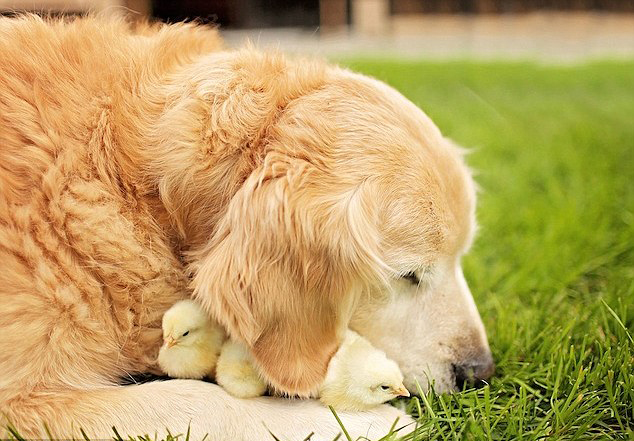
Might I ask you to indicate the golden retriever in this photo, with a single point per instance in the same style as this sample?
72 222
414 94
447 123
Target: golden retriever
293 198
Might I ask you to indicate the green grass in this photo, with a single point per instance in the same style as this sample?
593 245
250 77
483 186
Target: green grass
552 269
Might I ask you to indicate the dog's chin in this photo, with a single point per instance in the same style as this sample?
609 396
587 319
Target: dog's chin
439 377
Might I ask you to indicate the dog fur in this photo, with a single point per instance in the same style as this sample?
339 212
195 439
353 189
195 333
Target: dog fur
142 165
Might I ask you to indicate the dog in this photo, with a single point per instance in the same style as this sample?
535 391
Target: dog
140 165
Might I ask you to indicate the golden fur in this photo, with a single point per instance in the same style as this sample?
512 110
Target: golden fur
139 166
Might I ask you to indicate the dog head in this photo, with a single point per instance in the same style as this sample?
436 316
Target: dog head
342 205
424 317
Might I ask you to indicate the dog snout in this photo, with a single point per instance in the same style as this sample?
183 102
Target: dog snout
474 372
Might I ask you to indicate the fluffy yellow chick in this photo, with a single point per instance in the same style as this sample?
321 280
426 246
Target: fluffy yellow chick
360 376
236 373
191 342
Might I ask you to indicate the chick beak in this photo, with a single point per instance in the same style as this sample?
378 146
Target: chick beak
402 391
169 342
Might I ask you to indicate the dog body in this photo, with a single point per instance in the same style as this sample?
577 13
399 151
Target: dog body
140 166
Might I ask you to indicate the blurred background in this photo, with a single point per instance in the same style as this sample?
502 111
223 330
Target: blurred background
543 29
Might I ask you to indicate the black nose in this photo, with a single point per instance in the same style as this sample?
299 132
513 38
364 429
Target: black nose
474 372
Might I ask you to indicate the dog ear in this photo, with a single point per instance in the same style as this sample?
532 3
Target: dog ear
282 270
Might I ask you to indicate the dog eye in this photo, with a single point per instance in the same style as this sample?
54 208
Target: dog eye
411 277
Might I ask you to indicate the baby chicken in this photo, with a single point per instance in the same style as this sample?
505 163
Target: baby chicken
236 372
360 376
191 342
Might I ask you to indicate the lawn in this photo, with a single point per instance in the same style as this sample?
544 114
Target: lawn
552 269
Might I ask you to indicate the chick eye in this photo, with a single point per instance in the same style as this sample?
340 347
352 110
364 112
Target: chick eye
411 277
384 387
185 333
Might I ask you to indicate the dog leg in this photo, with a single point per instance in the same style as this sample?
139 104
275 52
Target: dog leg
205 408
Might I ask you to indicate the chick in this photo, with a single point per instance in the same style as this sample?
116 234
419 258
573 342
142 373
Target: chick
236 373
360 376
191 342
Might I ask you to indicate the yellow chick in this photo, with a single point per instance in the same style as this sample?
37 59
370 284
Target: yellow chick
360 376
236 373
191 342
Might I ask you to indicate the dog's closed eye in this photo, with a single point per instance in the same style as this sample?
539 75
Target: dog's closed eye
411 277
422 277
